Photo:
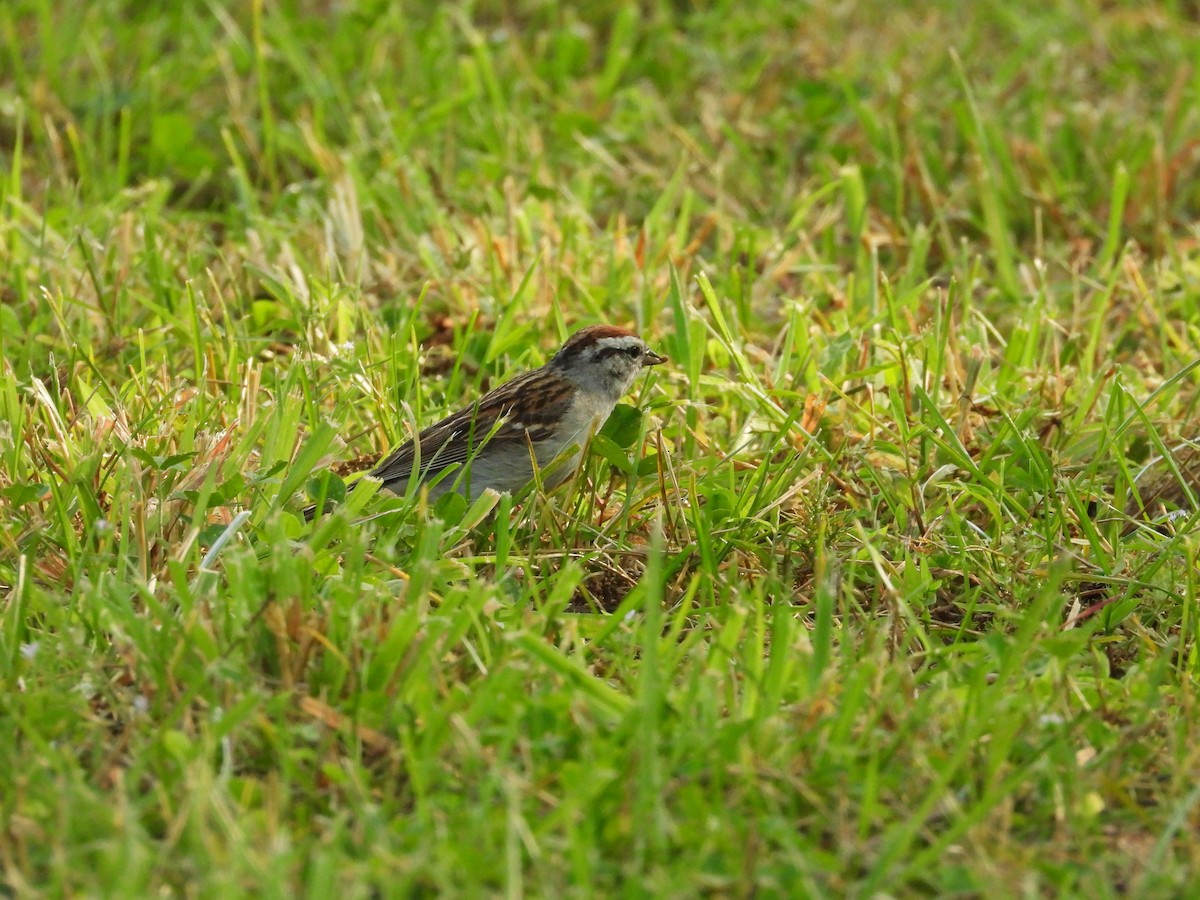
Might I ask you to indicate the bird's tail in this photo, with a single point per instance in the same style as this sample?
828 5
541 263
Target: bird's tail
310 512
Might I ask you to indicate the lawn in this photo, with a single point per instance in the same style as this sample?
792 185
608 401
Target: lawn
887 585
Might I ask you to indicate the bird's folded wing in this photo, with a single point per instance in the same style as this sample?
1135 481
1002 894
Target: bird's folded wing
524 411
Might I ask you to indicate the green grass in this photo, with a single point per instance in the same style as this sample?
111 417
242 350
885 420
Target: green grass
867 593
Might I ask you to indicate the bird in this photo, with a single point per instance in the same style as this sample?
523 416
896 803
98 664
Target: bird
541 415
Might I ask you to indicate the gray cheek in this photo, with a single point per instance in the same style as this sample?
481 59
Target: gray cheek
623 375
619 377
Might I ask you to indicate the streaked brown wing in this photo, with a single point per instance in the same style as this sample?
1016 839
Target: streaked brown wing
528 407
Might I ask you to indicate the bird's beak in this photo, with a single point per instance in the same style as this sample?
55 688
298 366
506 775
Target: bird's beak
650 358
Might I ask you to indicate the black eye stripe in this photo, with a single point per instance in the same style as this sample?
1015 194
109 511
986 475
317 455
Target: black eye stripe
607 352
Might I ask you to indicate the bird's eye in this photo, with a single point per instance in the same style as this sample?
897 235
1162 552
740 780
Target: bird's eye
634 352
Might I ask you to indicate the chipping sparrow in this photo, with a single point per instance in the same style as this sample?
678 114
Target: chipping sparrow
539 415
